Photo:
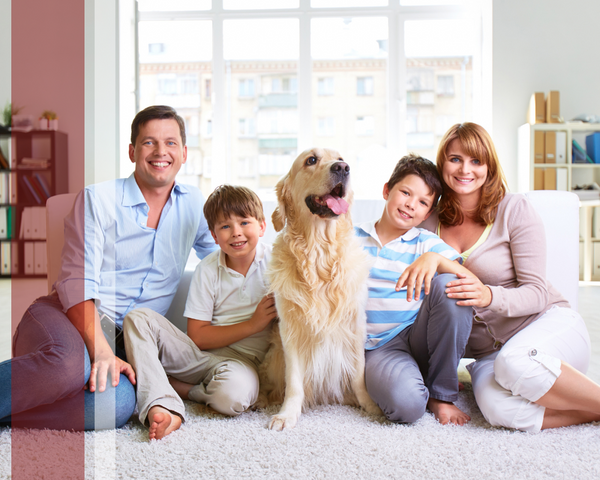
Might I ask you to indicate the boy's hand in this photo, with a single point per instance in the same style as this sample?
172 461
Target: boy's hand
264 314
420 272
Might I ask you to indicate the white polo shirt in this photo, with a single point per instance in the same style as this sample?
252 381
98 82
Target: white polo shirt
225 297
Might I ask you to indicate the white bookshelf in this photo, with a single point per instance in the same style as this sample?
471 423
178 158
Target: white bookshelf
576 174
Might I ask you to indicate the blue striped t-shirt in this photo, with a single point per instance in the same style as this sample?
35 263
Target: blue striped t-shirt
388 312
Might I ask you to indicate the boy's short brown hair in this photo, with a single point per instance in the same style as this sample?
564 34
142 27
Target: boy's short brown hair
426 170
228 200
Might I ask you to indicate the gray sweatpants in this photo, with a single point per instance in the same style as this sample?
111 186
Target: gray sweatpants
422 360
224 379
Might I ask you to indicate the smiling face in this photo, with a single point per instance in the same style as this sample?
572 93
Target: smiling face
463 173
408 203
238 236
158 154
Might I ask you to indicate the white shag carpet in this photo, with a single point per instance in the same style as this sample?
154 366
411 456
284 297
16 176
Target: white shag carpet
330 442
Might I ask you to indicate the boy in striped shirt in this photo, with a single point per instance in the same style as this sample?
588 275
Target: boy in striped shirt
412 352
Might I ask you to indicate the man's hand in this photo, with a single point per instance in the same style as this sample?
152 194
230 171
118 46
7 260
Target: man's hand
264 314
107 363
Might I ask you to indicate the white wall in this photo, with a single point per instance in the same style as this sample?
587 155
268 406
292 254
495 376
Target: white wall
4 53
542 45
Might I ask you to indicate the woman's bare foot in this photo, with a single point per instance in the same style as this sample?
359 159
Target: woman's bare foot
447 412
162 422
181 388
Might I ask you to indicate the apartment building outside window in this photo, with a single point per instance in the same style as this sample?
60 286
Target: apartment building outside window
255 95
364 86
246 87
325 86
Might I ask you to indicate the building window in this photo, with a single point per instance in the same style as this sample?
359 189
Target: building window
208 128
156 48
247 127
326 127
445 85
325 86
246 167
364 86
246 87
365 125
207 88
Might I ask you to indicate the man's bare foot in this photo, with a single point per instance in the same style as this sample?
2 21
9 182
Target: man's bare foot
181 388
446 412
162 422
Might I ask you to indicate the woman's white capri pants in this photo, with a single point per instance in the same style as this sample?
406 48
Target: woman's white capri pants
507 383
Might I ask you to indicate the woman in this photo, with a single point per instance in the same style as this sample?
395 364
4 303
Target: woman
531 348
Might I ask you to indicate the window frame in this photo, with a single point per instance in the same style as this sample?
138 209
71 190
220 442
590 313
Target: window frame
396 14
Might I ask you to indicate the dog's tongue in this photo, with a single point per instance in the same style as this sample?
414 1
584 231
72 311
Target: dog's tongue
336 204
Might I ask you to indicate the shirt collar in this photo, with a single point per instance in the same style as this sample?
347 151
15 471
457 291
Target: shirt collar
369 228
132 195
259 255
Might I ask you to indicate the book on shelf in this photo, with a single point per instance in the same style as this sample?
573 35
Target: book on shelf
43 184
579 154
37 186
4 165
31 190
27 162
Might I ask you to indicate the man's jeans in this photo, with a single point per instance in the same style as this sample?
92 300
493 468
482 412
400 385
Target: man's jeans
49 369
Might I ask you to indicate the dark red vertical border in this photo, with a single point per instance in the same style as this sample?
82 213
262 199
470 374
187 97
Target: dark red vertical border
47 50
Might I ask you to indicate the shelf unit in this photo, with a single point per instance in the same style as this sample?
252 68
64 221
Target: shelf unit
16 146
576 174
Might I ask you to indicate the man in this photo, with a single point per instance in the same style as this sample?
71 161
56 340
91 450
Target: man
126 245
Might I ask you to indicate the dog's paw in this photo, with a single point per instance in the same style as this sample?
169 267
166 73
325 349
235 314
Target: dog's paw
372 408
280 422
261 402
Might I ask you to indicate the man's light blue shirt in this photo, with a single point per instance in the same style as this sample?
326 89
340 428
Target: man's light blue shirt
125 264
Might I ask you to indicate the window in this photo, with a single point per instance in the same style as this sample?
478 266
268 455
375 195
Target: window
364 86
365 125
445 85
247 127
246 87
246 167
156 48
326 127
266 99
325 86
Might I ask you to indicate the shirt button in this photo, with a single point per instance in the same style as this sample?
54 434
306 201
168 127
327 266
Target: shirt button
533 352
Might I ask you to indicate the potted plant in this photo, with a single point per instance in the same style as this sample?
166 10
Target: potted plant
8 112
48 120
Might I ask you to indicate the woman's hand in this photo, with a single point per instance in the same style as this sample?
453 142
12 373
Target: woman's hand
420 272
470 288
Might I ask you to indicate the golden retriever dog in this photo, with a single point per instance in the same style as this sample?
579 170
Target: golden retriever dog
318 273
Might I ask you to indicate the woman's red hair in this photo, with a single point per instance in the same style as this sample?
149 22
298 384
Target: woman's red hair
478 144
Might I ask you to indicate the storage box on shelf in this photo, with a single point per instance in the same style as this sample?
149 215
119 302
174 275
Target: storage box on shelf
37 164
546 162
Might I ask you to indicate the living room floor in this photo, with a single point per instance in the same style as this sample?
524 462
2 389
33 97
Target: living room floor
589 307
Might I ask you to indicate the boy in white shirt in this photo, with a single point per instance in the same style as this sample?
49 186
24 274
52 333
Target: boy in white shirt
229 317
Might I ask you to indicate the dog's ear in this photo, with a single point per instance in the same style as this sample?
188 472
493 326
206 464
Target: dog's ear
279 215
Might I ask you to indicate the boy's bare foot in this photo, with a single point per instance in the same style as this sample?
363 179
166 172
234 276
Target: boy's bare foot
181 388
446 412
162 422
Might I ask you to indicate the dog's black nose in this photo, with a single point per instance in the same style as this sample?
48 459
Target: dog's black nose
341 168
